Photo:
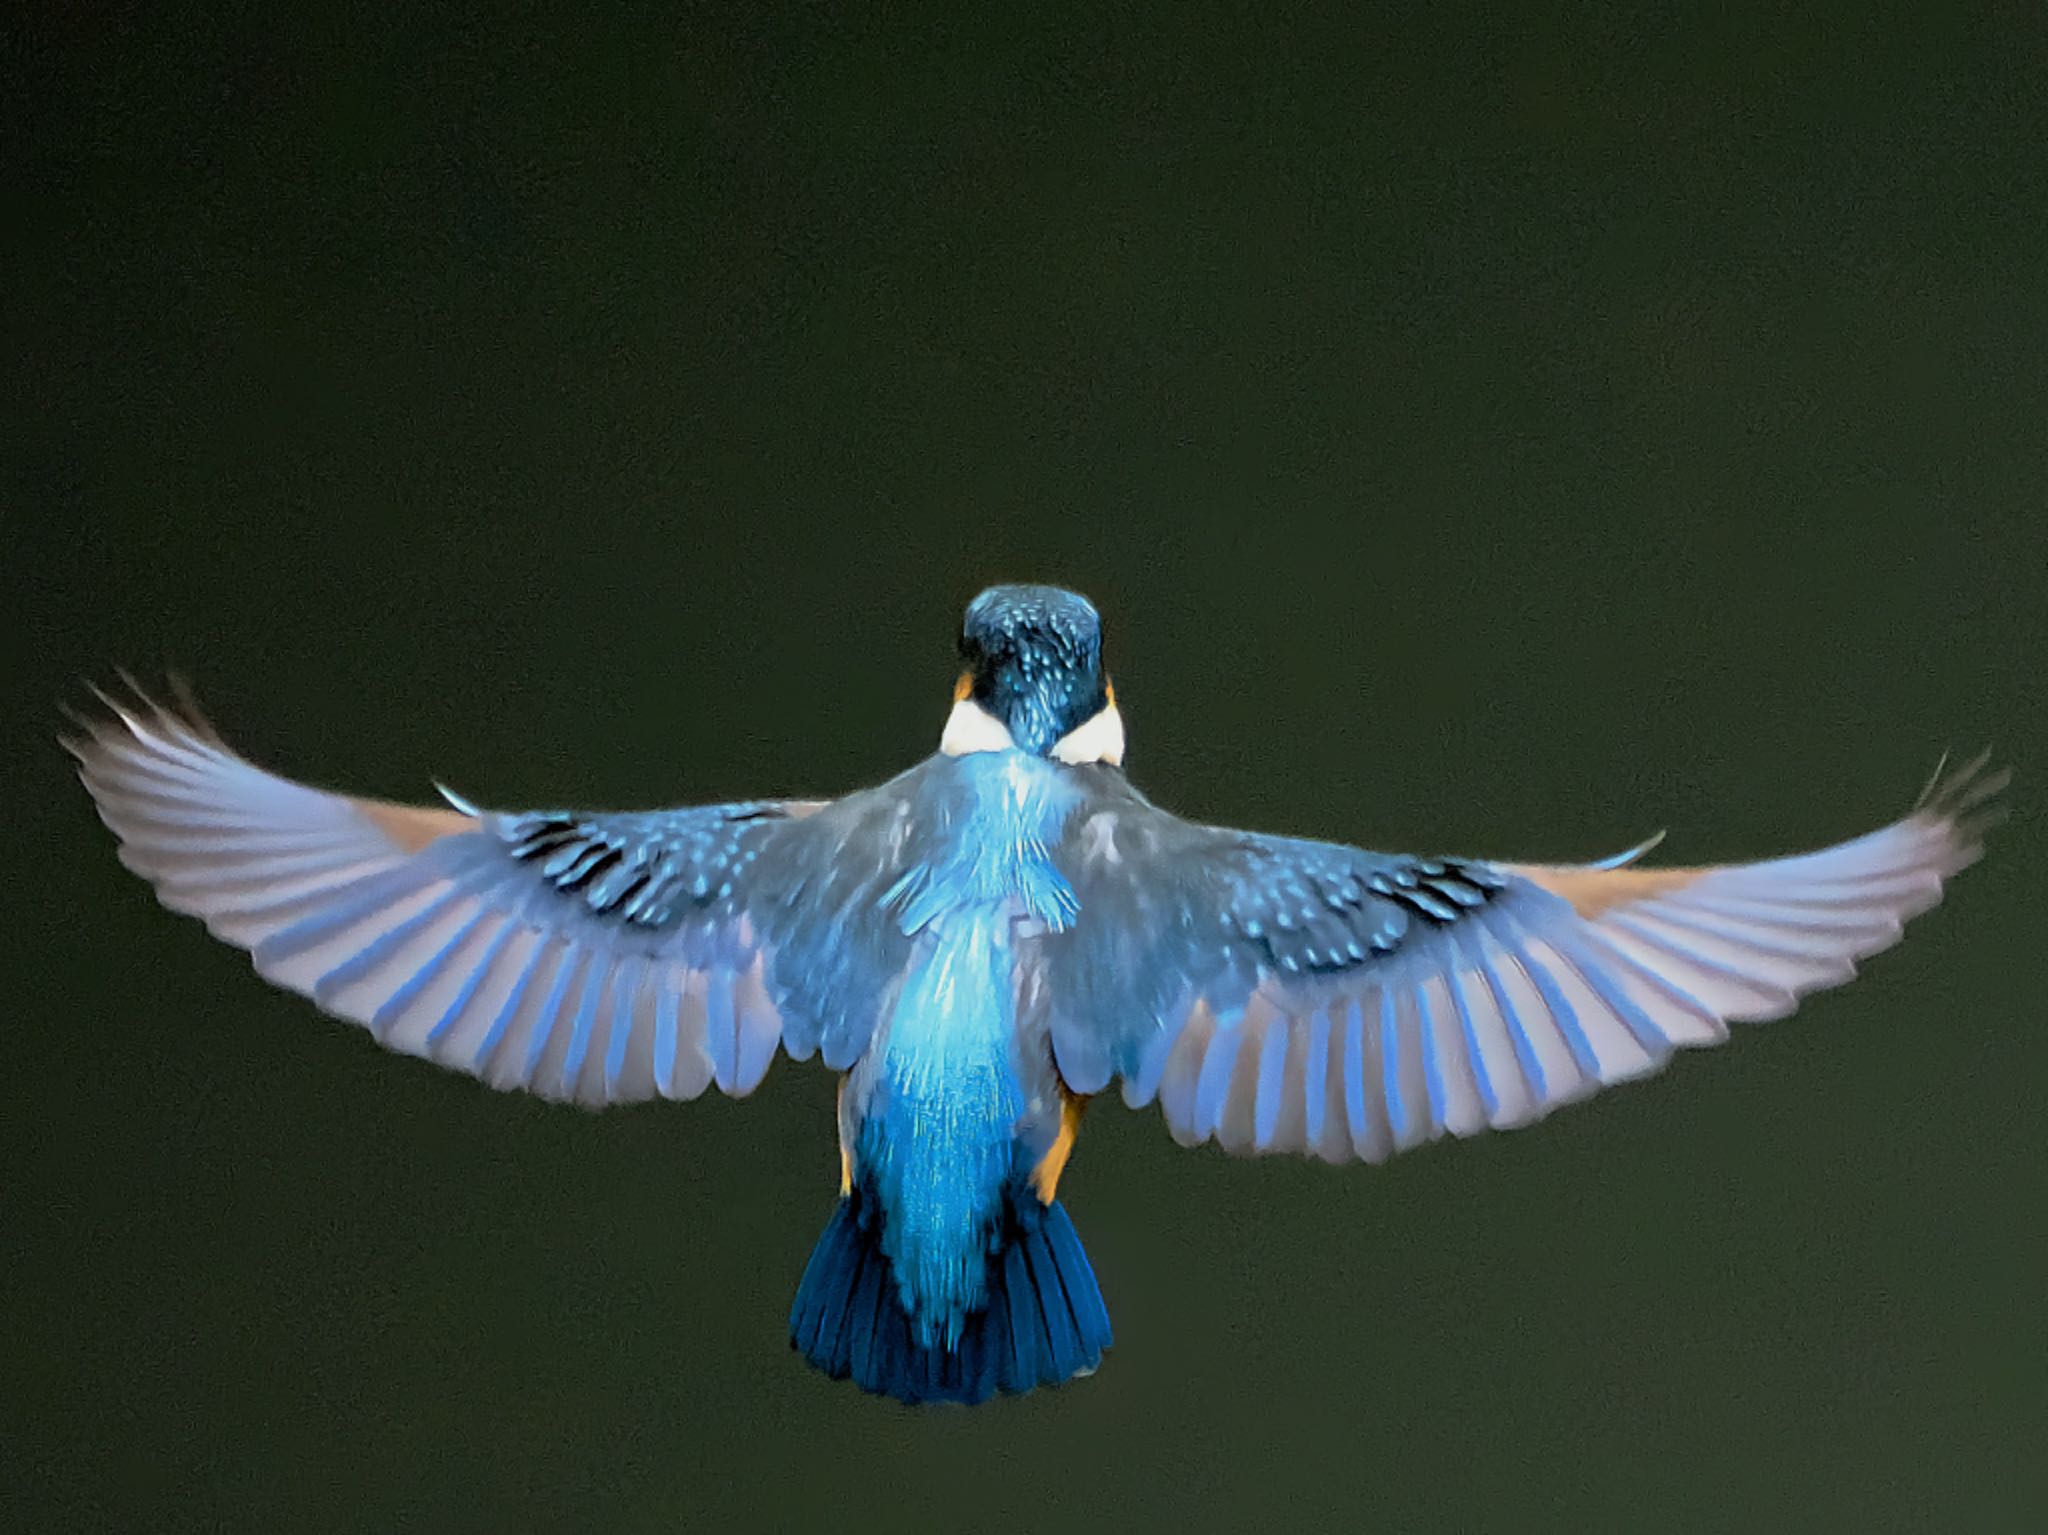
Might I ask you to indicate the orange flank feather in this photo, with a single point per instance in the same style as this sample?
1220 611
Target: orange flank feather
845 1145
1045 1178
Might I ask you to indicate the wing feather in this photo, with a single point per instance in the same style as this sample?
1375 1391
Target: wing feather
1280 995
595 958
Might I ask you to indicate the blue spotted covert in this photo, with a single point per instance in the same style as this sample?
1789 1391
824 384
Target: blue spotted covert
980 946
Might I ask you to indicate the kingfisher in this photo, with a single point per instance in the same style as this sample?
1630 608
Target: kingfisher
979 948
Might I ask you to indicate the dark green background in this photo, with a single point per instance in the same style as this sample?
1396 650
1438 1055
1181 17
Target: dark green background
1502 436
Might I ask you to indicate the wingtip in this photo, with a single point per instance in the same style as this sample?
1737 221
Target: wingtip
132 707
1964 804
98 724
75 736
139 712
189 712
1933 780
1952 794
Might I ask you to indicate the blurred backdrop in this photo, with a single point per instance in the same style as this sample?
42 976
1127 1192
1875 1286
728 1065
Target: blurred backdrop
1482 435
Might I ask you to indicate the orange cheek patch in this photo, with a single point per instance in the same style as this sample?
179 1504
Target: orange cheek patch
963 687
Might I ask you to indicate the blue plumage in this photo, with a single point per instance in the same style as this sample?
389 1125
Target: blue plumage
1041 1320
935 1145
952 1100
979 945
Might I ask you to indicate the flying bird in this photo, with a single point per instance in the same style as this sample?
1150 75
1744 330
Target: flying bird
981 946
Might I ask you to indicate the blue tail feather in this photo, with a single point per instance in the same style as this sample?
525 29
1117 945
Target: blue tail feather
1044 1321
1090 1314
823 1330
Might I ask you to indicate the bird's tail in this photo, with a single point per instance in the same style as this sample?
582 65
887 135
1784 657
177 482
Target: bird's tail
1044 1321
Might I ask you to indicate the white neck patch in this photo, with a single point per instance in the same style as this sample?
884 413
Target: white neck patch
1099 739
971 728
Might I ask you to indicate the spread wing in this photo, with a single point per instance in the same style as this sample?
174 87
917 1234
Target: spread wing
1286 995
597 957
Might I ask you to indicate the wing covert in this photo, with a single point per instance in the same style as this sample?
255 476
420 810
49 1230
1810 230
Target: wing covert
1284 995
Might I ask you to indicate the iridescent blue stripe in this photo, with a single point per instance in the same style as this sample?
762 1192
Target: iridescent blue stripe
626 982
721 1026
1219 1063
550 1014
379 949
665 1003
1354 1076
488 1046
1400 1113
1469 1027
407 994
1272 1068
351 903
594 980
1564 1015
1432 1063
1315 1080
470 987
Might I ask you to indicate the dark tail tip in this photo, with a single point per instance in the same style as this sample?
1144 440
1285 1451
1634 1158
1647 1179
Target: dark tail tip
1044 1321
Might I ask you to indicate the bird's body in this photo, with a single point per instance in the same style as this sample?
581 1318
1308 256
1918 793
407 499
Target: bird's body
953 1104
979 946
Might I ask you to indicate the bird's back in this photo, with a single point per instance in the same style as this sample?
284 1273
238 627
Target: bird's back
954 1104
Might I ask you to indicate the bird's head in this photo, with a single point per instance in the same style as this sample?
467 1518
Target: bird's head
1033 680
